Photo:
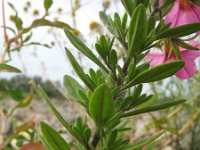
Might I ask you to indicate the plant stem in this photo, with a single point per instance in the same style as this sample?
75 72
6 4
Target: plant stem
155 8
4 22
95 138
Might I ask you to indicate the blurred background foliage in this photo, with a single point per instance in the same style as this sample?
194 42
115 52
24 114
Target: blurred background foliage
18 87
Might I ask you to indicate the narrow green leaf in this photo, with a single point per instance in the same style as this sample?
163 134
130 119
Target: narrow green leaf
124 21
44 22
28 37
101 105
39 44
151 23
53 138
152 108
67 125
131 71
22 103
73 88
186 45
176 51
84 49
113 59
180 31
44 142
80 71
118 25
8 68
137 30
156 73
47 4
108 23
57 114
18 23
12 7
129 5
101 51
137 91
144 142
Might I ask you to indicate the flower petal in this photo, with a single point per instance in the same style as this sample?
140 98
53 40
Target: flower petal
196 9
187 16
179 15
173 14
194 43
190 55
187 71
155 58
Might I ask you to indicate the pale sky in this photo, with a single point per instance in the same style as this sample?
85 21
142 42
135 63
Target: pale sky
54 59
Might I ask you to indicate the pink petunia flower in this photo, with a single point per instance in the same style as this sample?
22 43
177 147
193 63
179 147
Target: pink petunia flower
188 56
183 12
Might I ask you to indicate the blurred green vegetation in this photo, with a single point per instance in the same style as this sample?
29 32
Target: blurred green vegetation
18 87
182 122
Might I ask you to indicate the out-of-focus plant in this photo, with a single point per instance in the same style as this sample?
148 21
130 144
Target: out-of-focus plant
114 91
182 122
22 87
22 35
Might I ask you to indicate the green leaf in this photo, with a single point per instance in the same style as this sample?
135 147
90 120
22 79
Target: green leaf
83 130
141 100
8 68
124 21
144 142
131 71
86 79
39 44
18 23
113 59
53 138
28 37
119 28
23 103
156 73
57 114
44 142
101 51
16 95
180 31
153 108
73 88
44 22
108 23
138 30
176 51
101 105
84 49
67 125
161 27
185 45
12 7
47 4
151 23
129 5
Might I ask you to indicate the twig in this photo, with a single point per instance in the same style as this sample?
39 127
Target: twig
4 22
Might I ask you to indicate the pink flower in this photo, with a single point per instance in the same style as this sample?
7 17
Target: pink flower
188 56
183 12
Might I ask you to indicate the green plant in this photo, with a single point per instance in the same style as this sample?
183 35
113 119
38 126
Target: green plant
114 91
